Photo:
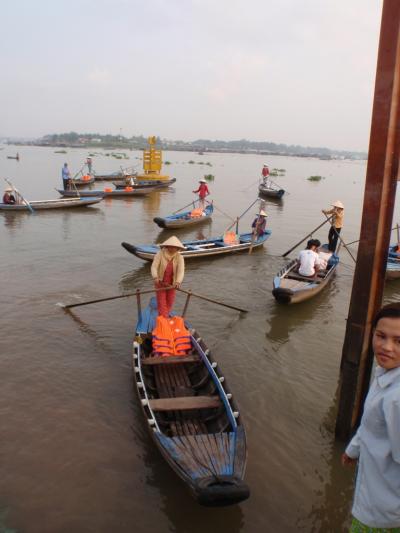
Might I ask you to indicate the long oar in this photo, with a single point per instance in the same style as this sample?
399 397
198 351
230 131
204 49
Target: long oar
23 199
184 207
306 237
242 215
191 293
70 306
328 219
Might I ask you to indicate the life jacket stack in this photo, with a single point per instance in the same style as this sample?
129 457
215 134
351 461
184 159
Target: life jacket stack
230 237
170 337
195 213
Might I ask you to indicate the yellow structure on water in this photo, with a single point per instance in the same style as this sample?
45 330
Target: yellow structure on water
152 163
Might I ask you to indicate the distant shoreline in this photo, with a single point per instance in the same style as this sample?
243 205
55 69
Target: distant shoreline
198 150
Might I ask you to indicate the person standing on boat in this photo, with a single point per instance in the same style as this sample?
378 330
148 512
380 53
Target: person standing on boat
66 176
89 165
203 192
336 224
259 224
168 270
8 197
376 445
308 259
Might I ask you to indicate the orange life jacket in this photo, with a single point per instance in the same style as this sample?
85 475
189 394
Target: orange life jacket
230 237
181 336
170 337
198 212
163 341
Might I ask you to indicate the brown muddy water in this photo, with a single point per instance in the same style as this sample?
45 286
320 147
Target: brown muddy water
75 453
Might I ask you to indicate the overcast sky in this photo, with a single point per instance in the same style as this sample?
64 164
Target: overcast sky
286 71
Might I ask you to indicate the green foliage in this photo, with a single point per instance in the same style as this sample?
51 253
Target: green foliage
60 152
167 162
315 178
191 162
273 173
209 177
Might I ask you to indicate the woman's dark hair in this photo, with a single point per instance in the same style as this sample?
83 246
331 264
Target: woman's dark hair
391 310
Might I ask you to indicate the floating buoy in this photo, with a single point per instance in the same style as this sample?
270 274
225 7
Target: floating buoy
107 189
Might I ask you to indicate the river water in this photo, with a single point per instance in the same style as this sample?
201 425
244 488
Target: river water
75 453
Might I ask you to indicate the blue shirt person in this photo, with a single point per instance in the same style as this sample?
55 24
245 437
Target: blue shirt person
376 445
66 176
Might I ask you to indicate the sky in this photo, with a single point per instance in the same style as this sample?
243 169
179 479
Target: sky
285 71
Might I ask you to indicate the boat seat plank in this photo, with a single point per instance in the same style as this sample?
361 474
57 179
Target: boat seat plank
170 360
294 275
185 403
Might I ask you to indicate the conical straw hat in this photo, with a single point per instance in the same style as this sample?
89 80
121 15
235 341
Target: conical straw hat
173 241
339 204
262 213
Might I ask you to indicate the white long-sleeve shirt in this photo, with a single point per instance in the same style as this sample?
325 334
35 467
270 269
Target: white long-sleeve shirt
377 445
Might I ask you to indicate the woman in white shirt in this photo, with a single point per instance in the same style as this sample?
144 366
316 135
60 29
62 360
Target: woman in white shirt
376 445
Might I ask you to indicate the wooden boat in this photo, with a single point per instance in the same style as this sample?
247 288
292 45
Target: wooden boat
393 263
107 193
83 181
181 220
160 183
141 185
201 248
290 287
191 415
113 176
16 157
270 191
61 203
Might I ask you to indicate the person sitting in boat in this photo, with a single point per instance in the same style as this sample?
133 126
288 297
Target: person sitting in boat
202 192
259 224
8 197
336 223
308 259
168 270
66 177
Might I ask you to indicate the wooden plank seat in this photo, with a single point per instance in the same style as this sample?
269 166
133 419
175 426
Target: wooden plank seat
170 360
185 403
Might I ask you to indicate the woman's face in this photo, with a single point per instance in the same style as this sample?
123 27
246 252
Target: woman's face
386 343
172 249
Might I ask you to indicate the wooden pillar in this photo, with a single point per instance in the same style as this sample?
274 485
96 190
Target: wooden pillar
379 199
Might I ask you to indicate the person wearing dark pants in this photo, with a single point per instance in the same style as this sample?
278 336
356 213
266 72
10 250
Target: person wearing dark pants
337 213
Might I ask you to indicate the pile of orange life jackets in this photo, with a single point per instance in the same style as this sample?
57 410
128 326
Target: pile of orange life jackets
170 337
198 212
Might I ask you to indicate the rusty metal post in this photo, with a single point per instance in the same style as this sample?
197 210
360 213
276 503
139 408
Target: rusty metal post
379 198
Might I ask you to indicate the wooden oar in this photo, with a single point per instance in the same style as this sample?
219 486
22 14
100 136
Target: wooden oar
191 293
23 199
340 238
242 215
306 237
127 295
70 306
182 208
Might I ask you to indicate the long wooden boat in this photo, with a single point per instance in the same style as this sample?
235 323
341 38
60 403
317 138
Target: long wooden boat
181 220
192 416
141 185
201 248
61 203
290 287
159 183
107 193
270 192
393 270
113 176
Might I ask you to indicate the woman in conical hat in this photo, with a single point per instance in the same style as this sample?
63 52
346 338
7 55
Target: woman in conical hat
203 191
336 223
259 223
168 270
